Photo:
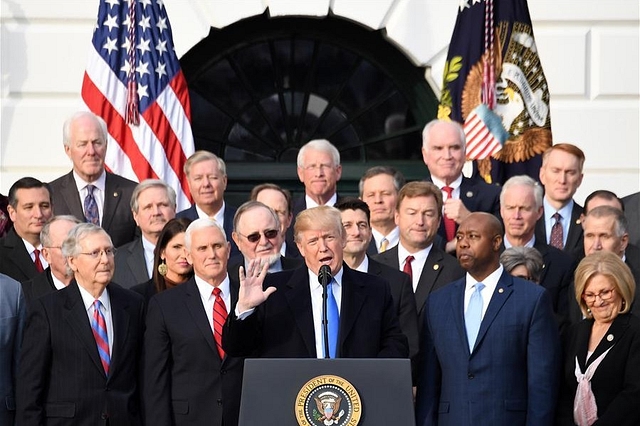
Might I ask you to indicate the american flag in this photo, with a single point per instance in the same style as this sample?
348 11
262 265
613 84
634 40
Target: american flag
134 82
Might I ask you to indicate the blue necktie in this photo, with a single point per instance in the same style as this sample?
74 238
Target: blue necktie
473 316
333 318
99 328
91 207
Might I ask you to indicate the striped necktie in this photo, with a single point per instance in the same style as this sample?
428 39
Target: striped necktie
99 328
219 318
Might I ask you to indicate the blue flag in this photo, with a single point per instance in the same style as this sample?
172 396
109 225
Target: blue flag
494 85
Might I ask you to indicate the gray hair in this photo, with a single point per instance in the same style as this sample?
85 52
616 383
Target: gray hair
528 257
321 145
523 180
200 223
151 183
621 223
426 132
398 178
200 156
45 238
71 245
252 205
66 127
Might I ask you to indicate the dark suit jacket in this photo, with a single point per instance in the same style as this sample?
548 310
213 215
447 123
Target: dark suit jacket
477 196
439 270
38 286
510 377
131 266
116 219
286 262
616 381
15 261
632 213
185 381
61 380
575 241
12 317
632 259
229 212
282 327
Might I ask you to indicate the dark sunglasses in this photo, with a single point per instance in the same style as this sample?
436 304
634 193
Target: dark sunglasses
255 237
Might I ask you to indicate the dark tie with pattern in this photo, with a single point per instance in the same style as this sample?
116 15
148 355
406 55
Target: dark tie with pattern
219 318
91 207
556 239
99 328
37 261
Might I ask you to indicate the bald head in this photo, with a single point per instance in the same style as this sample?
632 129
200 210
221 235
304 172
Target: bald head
479 239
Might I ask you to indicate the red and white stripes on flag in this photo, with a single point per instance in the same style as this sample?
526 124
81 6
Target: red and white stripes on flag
485 133
159 145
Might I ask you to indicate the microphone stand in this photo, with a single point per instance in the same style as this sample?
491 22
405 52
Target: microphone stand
324 277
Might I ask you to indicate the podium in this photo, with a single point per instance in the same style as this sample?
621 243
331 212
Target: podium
320 392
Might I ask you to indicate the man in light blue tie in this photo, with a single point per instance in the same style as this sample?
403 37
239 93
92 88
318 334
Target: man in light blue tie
490 349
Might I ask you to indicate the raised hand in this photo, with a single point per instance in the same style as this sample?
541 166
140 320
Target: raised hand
251 293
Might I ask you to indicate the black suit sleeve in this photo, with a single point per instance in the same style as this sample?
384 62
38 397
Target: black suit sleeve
157 368
393 342
34 367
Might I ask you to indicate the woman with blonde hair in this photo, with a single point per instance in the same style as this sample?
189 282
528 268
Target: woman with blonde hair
601 379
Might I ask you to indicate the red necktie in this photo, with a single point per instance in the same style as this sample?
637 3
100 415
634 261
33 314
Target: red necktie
449 224
99 328
219 318
38 263
407 266
556 239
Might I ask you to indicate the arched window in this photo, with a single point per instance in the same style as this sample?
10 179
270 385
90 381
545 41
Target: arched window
263 87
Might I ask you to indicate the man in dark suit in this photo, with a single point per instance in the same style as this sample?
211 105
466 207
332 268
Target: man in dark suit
29 209
279 200
89 186
379 188
153 204
12 314
188 379
491 351
418 215
258 234
207 178
521 208
355 220
287 322
632 212
81 348
443 152
57 276
561 175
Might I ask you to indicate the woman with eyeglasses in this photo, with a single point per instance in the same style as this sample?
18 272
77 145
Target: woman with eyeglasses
601 376
170 266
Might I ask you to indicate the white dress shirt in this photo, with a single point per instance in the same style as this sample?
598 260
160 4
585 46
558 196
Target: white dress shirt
208 299
490 284
218 217
419 259
316 305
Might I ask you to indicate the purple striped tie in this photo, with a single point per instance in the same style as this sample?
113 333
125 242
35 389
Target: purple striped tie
99 328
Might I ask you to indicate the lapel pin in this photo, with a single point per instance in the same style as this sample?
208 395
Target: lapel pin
469 194
610 338
578 221
115 194
436 267
501 290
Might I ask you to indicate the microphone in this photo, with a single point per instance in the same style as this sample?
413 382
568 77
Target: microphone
324 277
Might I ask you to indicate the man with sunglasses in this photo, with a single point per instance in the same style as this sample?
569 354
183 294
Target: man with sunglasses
258 235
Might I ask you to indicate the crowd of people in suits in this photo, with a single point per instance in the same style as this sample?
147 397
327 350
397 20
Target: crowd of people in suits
515 305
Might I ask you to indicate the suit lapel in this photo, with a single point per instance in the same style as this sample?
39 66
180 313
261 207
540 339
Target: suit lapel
352 299
500 295
135 260
299 300
199 316
575 228
390 257
71 197
610 338
76 316
457 304
428 277
19 255
120 317
112 197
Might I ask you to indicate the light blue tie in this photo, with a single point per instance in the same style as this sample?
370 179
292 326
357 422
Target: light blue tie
333 318
473 316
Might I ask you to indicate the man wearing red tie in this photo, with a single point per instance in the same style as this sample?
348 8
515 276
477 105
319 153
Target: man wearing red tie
82 344
443 152
188 378
20 250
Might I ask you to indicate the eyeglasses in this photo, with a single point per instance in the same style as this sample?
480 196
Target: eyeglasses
604 295
255 237
97 254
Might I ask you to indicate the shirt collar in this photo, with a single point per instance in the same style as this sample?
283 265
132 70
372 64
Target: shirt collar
565 211
218 217
311 203
440 183
99 183
313 278
420 255
507 243
364 265
490 282
206 289
88 299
